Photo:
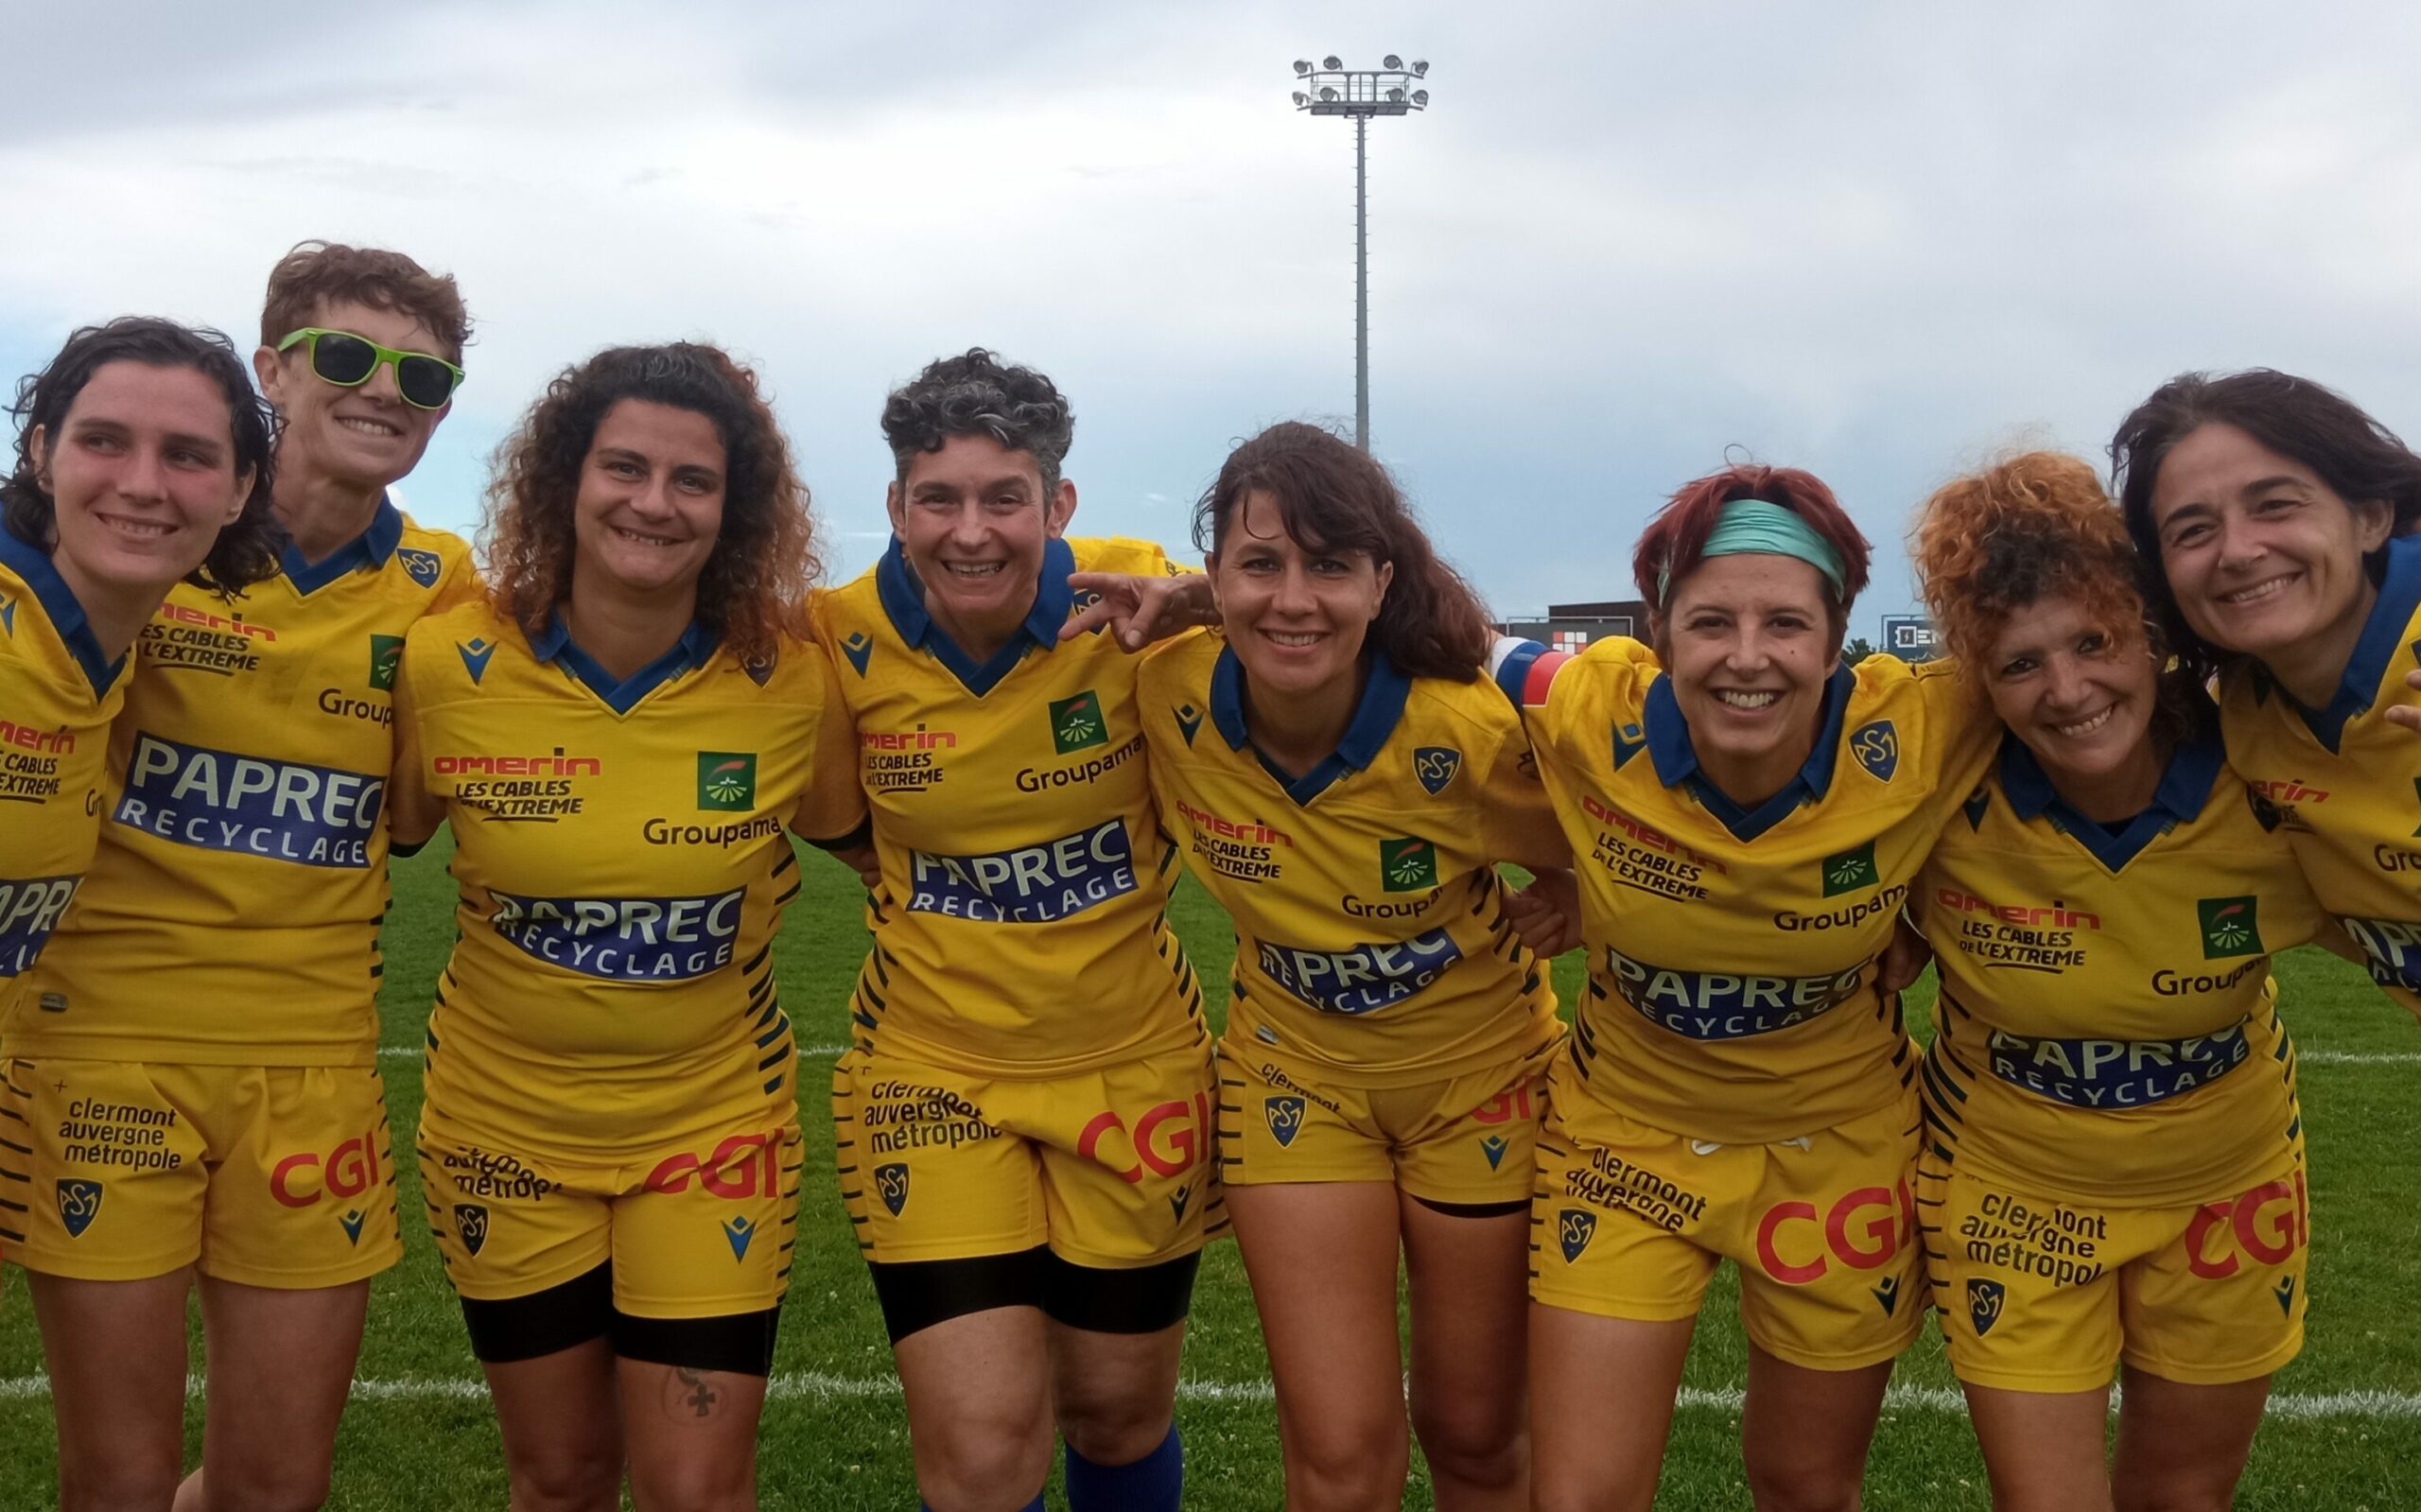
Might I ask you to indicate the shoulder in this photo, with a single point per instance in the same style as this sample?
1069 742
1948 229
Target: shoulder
1117 553
1183 660
430 556
1478 708
456 639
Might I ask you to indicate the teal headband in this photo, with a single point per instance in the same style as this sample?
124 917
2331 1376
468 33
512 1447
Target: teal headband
1752 525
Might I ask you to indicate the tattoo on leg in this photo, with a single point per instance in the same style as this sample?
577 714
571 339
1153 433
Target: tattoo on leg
690 1394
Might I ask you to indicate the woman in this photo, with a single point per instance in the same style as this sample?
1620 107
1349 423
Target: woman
217 979
1343 782
609 1145
1026 1115
2276 515
1752 815
2114 1167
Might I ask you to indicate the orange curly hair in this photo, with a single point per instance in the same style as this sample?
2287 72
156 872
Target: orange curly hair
2033 527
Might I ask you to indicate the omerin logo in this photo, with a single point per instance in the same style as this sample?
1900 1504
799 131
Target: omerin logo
80 1202
1575 1228
1436 766
1984 1300
1285 1116
1189 719
471 1222
1407 864
386 654
475 653
727 780
1851 870
891 1185
1077 722
1877 749
2229 927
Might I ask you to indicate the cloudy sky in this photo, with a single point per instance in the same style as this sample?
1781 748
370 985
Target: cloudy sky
1878 240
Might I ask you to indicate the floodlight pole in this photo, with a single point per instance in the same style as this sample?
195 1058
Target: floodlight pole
1331 89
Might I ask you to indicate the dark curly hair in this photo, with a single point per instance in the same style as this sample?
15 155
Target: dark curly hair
753 586
978 394
2356 455
1333 497
246 550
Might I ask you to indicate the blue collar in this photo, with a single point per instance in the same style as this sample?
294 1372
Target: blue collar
903 599
2382 637
694 649
371 549
1677 759
32 564
1374 718
2183 789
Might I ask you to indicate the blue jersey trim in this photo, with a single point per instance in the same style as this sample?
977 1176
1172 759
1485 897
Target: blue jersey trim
2183 789
1677 759
1374 720
694 649
61 608
371 549
903 599
2382 637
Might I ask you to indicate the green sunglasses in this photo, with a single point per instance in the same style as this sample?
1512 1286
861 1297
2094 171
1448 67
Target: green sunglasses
348 360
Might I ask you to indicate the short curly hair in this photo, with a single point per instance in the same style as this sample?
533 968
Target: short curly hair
315 275
753 589
977 394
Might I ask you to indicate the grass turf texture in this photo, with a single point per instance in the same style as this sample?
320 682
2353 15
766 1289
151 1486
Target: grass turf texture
420 1435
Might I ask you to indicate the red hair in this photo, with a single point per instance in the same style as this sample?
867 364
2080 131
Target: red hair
1674 541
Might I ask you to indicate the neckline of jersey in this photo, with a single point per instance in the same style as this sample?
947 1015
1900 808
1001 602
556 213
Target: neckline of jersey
2382 636
2183 790
694 649
1375 718
1677 759
60 605
371 549
903 599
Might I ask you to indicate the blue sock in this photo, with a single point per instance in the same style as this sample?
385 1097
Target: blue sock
1152 1483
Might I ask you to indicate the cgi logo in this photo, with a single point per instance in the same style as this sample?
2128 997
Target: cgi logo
1882 1221
743 1165
348 1171
1169 1139
2267 1225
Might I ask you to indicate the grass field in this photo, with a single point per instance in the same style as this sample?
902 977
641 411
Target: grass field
2344 1433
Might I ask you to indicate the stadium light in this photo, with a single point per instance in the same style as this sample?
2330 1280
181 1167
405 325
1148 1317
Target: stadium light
1361 92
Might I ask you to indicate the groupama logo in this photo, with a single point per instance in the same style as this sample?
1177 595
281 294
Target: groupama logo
1077 722
2230 926
386 654
727 780
1851 870
1407 865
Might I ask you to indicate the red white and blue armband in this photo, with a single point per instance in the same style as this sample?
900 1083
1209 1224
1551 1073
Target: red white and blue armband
1524 669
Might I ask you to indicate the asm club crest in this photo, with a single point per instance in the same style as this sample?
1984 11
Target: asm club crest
1575 1228
1285 1116
1984 1300
891 1185
80 1202
1436 766
1877 749
471 1222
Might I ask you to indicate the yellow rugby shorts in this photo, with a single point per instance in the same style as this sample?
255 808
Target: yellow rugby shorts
2037 1293
1628 1221
696 1230
1111 1168
1467 1138
269 1175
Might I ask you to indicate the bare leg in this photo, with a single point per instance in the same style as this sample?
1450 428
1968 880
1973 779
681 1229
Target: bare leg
117 1355
2181 1448
978 1409
1601 1406
1806 1433
560 1418
1470 1291
2043 1449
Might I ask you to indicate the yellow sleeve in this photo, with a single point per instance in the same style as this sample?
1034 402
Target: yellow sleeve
459 586
832 810
413 813
1518 822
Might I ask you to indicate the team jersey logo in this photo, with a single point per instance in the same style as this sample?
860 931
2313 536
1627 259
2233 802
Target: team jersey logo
351 1222
738 1231
1285 1116
2284 1293
727 780
471 1224
1978 802
857 648
1032 884
1362 977
1630 740
475 653
1189 719
891 1185
1887 1294
1407 864
1077 722
624 939
80 1202
1494 1147
8 615
386 654
1575 1228
30 908
421 567
1984 1300
1177 1200
2116 1073
1724 1004
1877 749
277 810
1851 870
1436 766
2229 927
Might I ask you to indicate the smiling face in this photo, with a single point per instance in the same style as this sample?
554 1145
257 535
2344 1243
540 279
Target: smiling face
650 504
361 437
2082 701
973 518
2263 557
1749 642
142 475
1295 617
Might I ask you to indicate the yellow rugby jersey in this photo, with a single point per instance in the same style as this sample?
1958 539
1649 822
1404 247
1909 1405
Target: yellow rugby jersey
1732 952
231 914
1370 930
1020 929
2347 781
58 694
621 852
2107 1028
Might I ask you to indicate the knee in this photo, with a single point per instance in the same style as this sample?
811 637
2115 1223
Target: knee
696 1483
578 1482
1472 1441
1113 1429
1338 1464
1804 1490
981 1461
2172 1496
128 1485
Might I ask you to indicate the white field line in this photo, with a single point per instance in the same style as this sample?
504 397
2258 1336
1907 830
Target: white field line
2358 1057
808 1051
815 1386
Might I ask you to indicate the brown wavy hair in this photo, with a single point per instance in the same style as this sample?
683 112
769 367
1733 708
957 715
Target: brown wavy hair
753 589
316 274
